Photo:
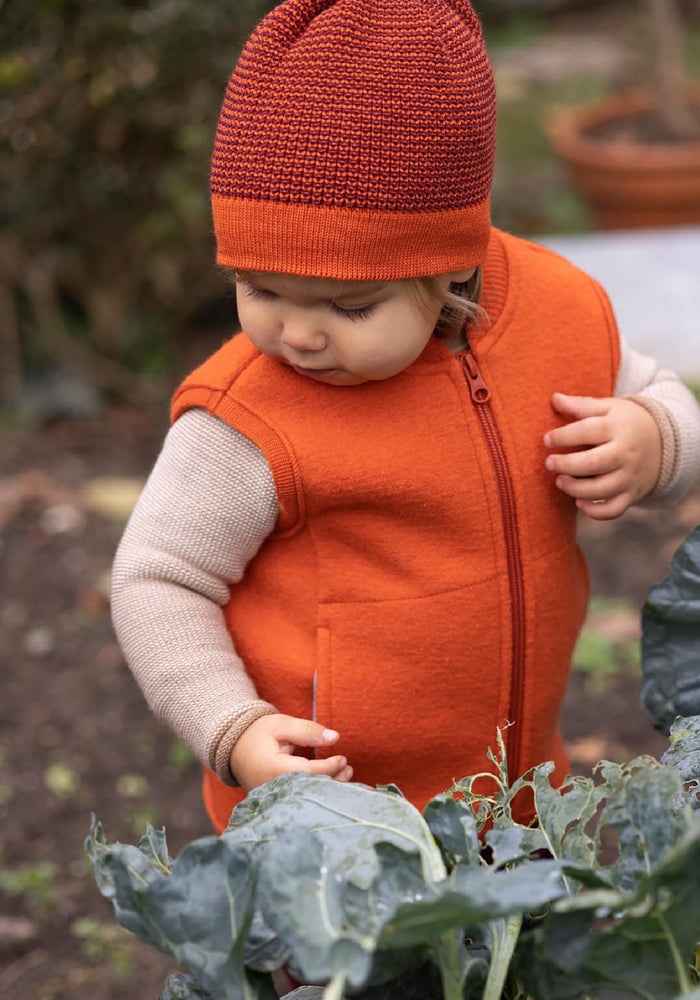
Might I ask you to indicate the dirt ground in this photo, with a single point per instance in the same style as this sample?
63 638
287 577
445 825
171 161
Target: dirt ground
76 737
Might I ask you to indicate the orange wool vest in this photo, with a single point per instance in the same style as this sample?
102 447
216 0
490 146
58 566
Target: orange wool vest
423 585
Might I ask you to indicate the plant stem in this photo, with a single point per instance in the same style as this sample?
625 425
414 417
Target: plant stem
505 933
334 990
681 968
447 952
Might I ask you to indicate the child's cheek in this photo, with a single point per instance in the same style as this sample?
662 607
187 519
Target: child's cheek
257 326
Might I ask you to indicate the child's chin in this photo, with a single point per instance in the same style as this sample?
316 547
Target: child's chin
345 378
338 378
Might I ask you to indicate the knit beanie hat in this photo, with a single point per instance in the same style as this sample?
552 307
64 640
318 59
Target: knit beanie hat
356 141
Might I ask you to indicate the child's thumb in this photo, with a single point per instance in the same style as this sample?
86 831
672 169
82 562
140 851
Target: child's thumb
578 406
306 733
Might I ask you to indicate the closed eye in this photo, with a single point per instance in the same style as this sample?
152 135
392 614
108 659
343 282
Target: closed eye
257 293
355 315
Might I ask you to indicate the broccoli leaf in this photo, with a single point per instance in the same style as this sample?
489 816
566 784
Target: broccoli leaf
199 911
348 887
349 818
671 640
616 944
564 813
684 755
331 926
183 986
641 807
453 825
514 843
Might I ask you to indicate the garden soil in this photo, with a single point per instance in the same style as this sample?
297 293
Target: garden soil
76 736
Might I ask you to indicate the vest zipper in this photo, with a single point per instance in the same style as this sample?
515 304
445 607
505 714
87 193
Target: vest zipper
481 396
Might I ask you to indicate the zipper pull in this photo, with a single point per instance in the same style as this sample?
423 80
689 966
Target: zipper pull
478 388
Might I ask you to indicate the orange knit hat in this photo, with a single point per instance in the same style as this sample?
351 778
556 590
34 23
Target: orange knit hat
356 141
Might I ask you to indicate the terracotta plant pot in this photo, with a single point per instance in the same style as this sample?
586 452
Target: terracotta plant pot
628 182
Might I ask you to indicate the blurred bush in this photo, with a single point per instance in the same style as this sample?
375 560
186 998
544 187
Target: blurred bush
489 9
107 116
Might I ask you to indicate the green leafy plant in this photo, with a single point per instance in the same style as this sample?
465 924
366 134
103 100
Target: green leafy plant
353 889
350 886
671 639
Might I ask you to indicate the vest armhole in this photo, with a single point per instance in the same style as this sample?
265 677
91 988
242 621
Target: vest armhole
613 333
606 308
272 444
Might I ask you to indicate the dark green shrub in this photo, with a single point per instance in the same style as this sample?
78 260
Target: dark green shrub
107 115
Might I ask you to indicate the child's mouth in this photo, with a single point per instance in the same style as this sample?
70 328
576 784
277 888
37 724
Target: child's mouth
318 372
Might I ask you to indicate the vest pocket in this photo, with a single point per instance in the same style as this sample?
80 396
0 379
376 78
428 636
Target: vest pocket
416 688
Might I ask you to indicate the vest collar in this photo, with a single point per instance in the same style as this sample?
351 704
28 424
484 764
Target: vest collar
493 300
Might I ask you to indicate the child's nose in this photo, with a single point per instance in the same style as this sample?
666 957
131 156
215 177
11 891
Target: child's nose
303 334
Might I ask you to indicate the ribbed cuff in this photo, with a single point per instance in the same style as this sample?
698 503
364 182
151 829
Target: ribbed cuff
670 444
220 754
348 244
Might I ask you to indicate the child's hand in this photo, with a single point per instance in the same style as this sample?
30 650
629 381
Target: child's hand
617 458
266 749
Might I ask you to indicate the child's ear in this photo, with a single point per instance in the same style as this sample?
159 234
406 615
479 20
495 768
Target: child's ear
458 277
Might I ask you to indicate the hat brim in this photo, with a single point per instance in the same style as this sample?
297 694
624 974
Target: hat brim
348 244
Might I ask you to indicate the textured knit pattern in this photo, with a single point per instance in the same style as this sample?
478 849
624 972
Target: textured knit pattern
374 104
670 445
376 116
182 559
675 411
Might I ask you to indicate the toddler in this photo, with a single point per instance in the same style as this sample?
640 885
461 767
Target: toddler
356 553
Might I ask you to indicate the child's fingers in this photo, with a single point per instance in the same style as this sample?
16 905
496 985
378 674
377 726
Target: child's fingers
595 488
605 510
268 748
344 775
601 498
303 732
333 767
583 433
580 406
594 462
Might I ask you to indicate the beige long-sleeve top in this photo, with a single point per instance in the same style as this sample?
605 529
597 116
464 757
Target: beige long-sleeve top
208 506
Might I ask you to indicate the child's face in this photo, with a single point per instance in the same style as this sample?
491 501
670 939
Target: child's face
338 332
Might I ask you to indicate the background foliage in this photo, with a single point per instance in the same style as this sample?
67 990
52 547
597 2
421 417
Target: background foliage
107 116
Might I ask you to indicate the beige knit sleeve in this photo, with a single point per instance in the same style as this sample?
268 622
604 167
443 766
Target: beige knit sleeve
675 410
206 509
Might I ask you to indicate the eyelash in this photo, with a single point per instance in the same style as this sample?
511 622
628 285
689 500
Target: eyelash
354 315
257 293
